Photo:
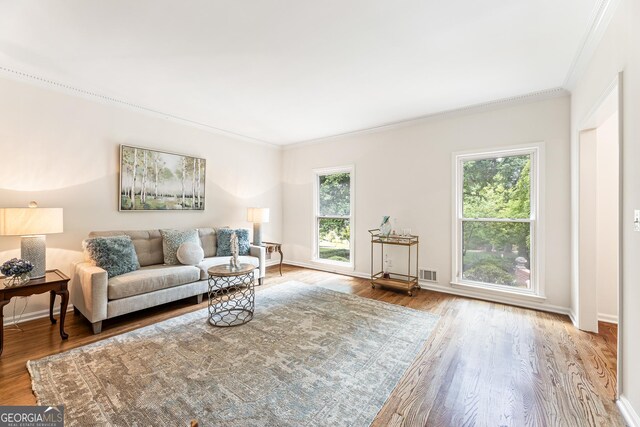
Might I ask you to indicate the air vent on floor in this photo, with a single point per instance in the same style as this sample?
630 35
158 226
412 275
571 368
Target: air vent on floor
429 275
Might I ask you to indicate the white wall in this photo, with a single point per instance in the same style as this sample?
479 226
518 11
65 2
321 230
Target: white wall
619 50
63 151
607 211
405 172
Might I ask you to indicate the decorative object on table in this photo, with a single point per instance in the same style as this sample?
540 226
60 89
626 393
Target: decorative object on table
387 265
190 253
407 282
115 254
235 249
385 226
224 241
32 224
171 241
152 180
257 216
16 272
231 294
54 282
271 247
244 378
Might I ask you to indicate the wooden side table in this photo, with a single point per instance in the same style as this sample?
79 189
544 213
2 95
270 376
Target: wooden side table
54 282
272 247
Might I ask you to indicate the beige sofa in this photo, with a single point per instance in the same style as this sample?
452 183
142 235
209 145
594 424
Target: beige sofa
98 297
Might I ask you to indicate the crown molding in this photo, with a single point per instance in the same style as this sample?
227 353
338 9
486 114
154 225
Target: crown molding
598 23
94 96
456 112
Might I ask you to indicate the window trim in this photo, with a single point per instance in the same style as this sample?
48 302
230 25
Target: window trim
315 256
536 219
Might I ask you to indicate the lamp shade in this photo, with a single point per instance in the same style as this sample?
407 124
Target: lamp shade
258 215
30 221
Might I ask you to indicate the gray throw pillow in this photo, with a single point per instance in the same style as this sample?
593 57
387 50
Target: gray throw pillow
114 254
171 241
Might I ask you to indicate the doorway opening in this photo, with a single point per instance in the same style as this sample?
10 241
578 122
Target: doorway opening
598 218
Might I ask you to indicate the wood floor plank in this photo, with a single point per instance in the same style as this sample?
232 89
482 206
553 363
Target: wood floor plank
485 364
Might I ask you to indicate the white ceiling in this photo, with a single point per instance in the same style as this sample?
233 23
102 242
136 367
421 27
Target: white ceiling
284 71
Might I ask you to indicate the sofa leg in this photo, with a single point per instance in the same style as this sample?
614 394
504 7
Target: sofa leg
198 298
75 310
97 327
261 281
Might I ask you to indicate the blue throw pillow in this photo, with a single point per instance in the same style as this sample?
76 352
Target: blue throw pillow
114 254
224 241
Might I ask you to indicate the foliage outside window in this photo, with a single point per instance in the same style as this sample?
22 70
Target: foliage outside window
496 220
333 216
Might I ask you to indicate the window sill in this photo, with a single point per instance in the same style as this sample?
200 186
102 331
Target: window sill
505 293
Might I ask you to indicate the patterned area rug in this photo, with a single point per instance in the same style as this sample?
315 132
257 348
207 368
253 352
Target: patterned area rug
310 357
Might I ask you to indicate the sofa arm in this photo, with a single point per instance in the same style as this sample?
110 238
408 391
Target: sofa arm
89 291
259 252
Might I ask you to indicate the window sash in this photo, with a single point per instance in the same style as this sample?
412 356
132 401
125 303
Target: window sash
318 216
534 151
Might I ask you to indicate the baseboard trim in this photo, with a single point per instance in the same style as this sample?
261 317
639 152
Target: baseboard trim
328 268
507 301
608 318
572 316
8 320
444 289
628 413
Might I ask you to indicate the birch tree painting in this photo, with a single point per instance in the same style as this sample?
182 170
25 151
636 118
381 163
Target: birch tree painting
153 180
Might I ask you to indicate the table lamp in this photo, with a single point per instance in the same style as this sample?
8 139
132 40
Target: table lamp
257 216
32 224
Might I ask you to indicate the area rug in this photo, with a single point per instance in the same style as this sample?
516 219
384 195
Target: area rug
310 357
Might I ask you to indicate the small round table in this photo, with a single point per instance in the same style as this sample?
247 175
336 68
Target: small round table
231 294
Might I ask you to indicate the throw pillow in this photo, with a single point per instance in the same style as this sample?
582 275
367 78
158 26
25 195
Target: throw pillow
171 241
114 254
224 241
190 254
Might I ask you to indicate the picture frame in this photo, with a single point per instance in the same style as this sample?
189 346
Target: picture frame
155 180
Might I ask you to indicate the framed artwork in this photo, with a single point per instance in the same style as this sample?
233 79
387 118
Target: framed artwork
153 180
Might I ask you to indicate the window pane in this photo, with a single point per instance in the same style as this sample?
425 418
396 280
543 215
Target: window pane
497 188
497 252
334 194
333 242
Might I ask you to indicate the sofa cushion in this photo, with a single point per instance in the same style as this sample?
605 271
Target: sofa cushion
147 243
151 278
220 260
224 241
115 254
208 241
171 241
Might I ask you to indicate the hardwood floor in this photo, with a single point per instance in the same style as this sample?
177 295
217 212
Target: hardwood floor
485 364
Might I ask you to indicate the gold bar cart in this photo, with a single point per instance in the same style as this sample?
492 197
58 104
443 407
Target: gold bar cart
406 282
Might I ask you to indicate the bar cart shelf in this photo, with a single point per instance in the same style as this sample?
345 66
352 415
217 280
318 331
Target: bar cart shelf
406 282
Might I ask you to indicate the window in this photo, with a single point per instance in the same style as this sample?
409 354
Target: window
497 220
333 198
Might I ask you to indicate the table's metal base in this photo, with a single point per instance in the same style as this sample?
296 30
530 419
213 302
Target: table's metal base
231 299
232 317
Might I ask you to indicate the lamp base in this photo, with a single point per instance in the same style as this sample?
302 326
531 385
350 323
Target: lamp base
34 250
257 234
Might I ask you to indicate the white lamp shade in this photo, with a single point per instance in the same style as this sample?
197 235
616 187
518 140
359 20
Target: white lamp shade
30 221
258 215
